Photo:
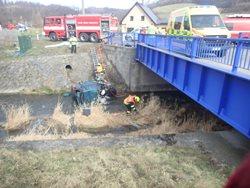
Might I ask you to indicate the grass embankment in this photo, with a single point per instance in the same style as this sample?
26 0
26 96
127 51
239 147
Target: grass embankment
110 167
38 46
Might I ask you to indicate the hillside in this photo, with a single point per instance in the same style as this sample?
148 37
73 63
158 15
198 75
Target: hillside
163 7
33 13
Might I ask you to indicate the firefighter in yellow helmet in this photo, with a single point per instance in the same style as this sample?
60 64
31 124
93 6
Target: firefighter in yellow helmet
99 68
130 103
100 72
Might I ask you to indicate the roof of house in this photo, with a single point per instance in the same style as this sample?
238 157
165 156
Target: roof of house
148 12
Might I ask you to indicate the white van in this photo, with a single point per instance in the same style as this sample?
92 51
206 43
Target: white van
203 21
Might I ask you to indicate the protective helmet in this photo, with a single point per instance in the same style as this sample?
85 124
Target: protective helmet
137 99
99 64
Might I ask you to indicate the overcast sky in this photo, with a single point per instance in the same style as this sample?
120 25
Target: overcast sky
122 4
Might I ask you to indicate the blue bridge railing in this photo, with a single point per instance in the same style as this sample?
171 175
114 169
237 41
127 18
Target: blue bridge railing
226 51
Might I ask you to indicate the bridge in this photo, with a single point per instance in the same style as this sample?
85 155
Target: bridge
214 72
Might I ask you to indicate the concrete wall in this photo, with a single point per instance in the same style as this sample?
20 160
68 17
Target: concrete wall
137 77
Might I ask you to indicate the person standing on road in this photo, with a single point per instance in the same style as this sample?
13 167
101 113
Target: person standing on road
73 43
130 103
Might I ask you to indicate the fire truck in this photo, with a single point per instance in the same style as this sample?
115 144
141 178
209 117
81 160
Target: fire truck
238 23
85 27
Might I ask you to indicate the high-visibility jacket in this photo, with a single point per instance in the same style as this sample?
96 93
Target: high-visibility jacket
99 69
73 40
151 30
130 99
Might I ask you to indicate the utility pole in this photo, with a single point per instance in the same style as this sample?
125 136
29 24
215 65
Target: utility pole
83 9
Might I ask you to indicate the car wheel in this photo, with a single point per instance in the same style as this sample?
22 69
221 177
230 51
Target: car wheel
84 37
52 36
94 37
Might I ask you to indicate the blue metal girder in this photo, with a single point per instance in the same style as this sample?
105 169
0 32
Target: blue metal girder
222 92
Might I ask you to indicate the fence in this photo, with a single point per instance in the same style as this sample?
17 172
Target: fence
24 43
228 51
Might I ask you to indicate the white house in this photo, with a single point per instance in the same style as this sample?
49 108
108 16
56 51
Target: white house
140 16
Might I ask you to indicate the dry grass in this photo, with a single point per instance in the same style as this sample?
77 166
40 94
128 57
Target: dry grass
162 118
17 117
110 167
154 118
98 118
59 121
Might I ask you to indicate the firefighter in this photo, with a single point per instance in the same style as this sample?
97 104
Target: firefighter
100 75
130 103
99 68
73 43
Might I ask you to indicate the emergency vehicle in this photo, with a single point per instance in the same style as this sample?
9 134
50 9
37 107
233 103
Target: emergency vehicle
238 23
85 27
200 21
203 21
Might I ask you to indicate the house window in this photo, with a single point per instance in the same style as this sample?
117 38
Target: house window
131 18
142 18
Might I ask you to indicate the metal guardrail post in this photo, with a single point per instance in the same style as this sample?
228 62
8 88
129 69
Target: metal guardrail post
194 47
237 55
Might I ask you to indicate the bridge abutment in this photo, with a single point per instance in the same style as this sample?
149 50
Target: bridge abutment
136 76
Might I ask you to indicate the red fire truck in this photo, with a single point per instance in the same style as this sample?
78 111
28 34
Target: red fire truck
85 27
238 23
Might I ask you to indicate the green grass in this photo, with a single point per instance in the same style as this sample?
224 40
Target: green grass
110 167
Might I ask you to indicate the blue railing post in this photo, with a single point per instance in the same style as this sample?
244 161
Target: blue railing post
109 38
194 47
122 39
156 40
169 43
134 40
139 38
237 55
